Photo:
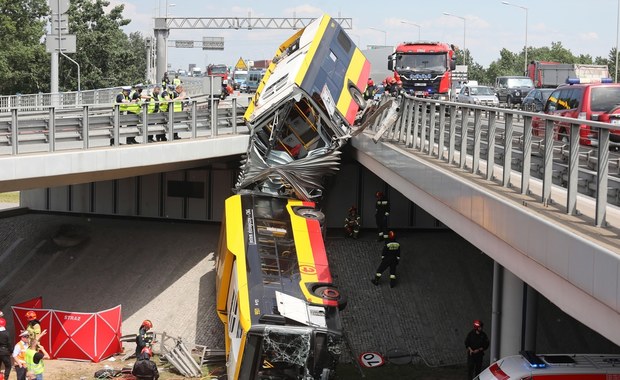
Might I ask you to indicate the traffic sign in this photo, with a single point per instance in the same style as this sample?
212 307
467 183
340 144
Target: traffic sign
60 24
184 44
212 43
59 6
371 359
65 44
241 64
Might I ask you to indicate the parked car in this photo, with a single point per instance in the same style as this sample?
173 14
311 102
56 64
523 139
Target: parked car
482 95
592 101
535 100
512 89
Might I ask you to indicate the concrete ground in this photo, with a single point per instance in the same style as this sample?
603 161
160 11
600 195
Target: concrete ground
164 271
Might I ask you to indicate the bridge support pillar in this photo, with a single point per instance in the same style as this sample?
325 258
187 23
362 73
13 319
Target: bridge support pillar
161 53
514 314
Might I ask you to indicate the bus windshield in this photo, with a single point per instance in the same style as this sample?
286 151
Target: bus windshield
292 354
422 62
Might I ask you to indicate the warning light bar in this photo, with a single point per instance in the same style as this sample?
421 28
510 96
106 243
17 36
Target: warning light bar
588 80
534 360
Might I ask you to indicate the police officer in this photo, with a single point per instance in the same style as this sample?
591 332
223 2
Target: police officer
389 258
157 103
382 212
123 99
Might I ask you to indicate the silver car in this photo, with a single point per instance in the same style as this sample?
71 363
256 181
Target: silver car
482 95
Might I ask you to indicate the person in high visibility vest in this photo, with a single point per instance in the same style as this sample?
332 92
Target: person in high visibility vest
123 99
390 257
19 356
178 96
176 81
34 360
156 103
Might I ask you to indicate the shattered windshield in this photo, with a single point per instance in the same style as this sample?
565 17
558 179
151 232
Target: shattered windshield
422 62
296 354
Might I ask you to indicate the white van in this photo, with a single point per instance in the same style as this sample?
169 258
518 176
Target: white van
530 366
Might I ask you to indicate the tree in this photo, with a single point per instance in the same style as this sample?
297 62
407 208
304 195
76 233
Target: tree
24 64
107 56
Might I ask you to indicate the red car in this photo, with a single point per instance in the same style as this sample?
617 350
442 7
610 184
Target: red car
592 101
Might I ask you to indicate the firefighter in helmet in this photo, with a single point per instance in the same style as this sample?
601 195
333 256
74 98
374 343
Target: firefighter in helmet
144 338
144 368
369 93
352 223
382 212
390 256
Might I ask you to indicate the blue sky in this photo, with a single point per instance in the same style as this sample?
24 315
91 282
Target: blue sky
584 27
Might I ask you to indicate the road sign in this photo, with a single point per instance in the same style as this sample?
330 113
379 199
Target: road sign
241 64
65 44
59 6
371 359
184 43
60 25
212 43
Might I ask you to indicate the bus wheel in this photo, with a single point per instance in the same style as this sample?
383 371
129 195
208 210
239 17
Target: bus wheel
357 96
332 294
309 213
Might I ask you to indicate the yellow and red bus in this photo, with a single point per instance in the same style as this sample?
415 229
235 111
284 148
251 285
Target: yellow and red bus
303 110
275 293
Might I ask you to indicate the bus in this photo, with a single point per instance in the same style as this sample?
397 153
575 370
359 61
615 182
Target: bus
274 290
303 110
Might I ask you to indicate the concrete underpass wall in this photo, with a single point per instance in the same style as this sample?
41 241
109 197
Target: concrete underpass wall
199 194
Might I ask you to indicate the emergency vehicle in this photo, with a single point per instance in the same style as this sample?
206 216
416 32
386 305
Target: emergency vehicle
531 366
424 68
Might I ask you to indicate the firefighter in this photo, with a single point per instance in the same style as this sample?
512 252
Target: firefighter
389 258
382 212
392 87
34 326
352 223
370 89
144 339
476 343
144 368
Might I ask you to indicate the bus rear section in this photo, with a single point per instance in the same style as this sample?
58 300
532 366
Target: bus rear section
530 366
303 110
275 294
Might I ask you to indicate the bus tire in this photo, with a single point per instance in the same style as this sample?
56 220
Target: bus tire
357 96
332 294
310 213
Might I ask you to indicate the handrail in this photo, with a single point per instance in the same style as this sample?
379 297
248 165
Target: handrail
437 128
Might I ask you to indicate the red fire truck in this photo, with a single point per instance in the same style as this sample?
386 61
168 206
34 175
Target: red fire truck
424 68
218 70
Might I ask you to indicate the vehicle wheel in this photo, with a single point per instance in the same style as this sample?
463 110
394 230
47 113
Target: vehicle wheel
357 96
332 294
309 213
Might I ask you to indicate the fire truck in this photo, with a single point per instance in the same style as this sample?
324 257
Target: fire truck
218 70
424 68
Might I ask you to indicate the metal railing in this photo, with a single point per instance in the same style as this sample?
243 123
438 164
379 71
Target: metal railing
523 143
82 127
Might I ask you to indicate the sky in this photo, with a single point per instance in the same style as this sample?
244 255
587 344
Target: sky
583 27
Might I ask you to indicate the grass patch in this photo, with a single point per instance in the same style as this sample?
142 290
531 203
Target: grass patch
10 197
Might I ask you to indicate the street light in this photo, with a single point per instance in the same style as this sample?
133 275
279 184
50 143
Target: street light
464 34
168 6
384 34
525 9
419 27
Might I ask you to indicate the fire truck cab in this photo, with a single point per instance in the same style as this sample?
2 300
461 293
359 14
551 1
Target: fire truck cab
530 366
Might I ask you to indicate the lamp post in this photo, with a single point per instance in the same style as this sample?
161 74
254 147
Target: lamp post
168 6
419 27
384 34
464 34
525 9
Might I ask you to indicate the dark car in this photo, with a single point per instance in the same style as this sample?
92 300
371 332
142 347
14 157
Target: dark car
535 100
512 89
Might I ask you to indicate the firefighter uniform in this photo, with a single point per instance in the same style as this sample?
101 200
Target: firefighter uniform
352 223
389 258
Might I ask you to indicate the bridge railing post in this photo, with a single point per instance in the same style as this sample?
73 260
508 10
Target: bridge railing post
431 128
14 131
85 127
171 121
424 111
442 130
508 130
464 127
417 105
51 125
452 134
194 118
548 162
117 125
527 154
145 122
492 128
234 116
573 170
215 117
477 137
601 176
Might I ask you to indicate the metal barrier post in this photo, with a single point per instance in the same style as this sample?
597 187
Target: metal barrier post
51 125
425 109
117 124
234 116
548 162
492 128
194 118
527 154
171 121
464 126
601 177
475 165
416 119
508 130
215 118
85 128
14 132
442 129
145 123
431 129
573 170
452 136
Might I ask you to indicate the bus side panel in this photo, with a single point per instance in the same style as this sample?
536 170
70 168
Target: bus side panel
235 335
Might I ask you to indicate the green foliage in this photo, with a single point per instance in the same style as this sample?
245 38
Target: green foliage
107 56
22 25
